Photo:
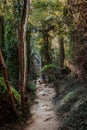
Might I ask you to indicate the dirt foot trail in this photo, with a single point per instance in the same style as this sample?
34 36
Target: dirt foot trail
43 110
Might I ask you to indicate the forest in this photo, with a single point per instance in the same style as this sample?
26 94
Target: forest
43 65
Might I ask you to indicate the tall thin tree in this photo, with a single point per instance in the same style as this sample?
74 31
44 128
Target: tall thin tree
8 84
23 51
62 53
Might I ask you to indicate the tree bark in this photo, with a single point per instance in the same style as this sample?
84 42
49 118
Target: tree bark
7 84
2 31
47 50
23 52
46 53
62 54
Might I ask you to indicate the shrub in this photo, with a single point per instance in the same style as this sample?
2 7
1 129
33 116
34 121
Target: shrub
4 91
31 86
48 67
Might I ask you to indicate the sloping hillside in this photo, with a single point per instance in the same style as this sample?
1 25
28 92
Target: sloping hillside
71 104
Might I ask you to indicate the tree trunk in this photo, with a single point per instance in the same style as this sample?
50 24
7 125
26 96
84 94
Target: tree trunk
7 84
29 52
46 48
62 54
2 31
23 52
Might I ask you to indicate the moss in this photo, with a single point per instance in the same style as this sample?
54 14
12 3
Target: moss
16 95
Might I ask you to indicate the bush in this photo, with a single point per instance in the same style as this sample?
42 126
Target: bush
48 67
4 91
71 105
48 70
31 86
6 113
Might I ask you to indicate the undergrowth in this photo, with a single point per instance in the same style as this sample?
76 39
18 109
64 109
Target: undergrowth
71 104
8 121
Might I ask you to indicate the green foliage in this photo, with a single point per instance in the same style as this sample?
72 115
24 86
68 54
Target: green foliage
48 70
16 95
11 47
76 21
2 87
48 67
46 5
4 92
43 9
10 13
69 96
31 86
71 103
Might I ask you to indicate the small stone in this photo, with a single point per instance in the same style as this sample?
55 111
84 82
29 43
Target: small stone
30 121
47 118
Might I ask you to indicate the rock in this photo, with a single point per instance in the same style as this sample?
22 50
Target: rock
30 121
47 118
42 93
36 101
50 109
